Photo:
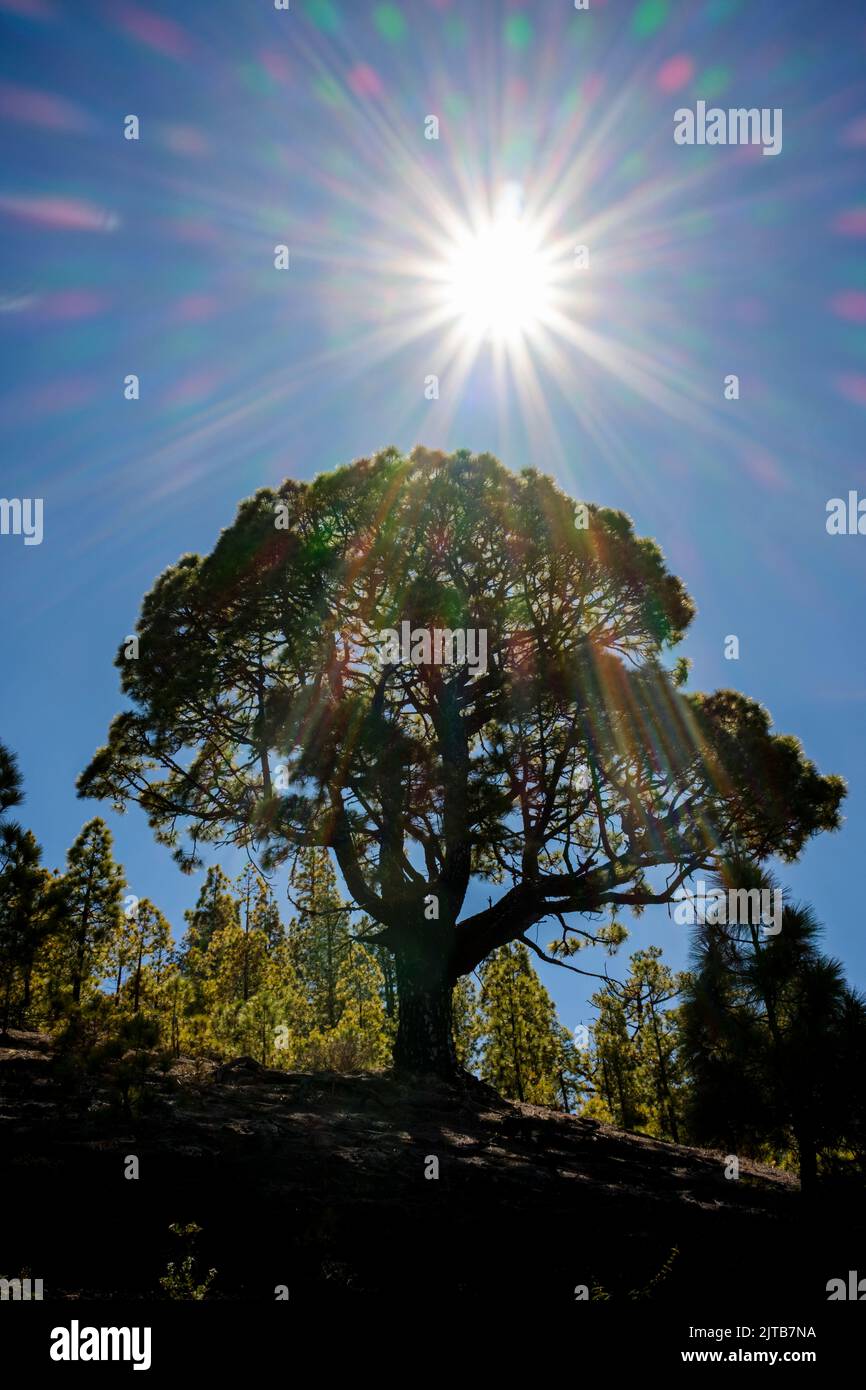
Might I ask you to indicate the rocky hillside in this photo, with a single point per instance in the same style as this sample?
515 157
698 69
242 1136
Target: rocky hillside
319 1183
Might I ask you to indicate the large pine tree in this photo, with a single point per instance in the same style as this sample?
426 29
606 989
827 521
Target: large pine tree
268 707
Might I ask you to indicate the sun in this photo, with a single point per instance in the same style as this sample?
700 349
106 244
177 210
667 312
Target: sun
497 279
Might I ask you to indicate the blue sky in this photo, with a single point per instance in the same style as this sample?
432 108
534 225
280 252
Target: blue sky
306 128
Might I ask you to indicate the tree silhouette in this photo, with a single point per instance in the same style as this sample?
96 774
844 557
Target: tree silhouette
773 1036
29 900
11 789
27 908
269 708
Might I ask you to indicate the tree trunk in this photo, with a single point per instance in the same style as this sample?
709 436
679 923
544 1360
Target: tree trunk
78 975
425 1040
136 991
386 965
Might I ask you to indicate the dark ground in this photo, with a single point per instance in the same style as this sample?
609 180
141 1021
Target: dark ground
317 1182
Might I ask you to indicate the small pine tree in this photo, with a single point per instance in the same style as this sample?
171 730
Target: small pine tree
362 1038
261 924
28 899
215 908
524 1052
655 1038
258 1023
91 887
174 996
233 965
28 906
292 1021
362 1010
467 1023
143 939
320 935
614 1064
216 915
